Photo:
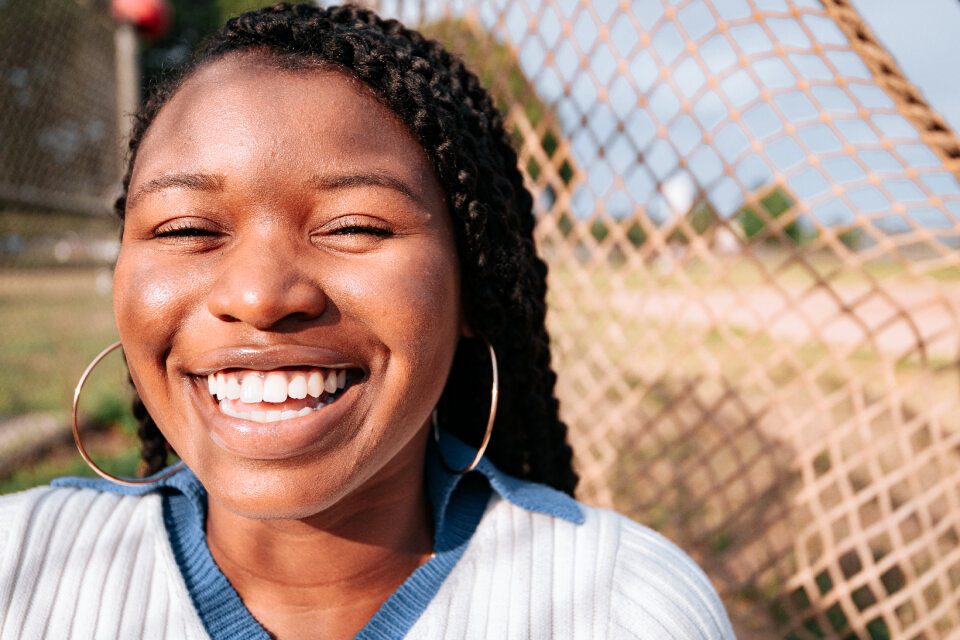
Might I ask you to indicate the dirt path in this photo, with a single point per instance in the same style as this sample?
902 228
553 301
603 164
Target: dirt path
897 320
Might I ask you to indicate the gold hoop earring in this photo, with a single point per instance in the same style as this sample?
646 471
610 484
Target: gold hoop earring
494 395
76 431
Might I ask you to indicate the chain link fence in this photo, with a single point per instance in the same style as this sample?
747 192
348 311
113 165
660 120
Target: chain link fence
751 219
67 85
59 144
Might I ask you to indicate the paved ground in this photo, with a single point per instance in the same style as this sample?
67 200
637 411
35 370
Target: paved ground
21 436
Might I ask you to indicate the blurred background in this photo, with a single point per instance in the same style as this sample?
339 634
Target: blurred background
752 216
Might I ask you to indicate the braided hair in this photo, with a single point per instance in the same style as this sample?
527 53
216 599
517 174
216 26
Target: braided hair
502 278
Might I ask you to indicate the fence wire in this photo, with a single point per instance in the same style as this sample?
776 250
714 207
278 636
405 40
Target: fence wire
751 220
59 145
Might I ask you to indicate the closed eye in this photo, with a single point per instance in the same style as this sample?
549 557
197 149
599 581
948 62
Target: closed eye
354 226
183 229
184 232
354 233
354 229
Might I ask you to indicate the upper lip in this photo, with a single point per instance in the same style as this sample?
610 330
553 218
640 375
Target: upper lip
268 358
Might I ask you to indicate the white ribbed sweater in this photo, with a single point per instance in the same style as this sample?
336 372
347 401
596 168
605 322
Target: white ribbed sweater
82 563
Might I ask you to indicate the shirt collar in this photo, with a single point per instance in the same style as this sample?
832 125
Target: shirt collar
441 485
531 496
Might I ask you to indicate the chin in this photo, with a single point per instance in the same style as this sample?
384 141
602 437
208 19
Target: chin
297 488
273 495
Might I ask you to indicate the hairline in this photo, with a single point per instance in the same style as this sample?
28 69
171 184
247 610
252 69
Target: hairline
284 61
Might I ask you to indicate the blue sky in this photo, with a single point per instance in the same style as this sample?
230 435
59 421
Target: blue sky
924 37
918 33
678 159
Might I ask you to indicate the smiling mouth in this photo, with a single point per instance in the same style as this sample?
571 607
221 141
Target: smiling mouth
275 396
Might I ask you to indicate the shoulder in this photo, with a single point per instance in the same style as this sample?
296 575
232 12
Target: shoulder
48 509
75 558
621 579
47 526
82 561
657 588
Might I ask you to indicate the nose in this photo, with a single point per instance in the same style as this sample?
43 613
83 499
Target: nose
265 286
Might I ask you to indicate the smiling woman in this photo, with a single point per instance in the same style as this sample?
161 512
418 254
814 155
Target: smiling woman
327 249
287 223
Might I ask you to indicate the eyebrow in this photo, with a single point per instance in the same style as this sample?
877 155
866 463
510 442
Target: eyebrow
190 181
213 182
366 179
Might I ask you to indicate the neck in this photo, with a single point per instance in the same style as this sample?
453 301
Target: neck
326 575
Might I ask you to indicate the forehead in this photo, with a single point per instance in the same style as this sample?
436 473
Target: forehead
241 108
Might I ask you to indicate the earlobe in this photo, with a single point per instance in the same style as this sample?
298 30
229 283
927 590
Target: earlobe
466 330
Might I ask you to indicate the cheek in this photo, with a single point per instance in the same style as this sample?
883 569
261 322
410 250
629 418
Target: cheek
427 297
412 303
150 301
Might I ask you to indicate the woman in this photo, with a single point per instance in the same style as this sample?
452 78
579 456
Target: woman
327 248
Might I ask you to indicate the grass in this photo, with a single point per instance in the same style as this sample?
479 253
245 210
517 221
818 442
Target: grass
54 322
67 462
671 476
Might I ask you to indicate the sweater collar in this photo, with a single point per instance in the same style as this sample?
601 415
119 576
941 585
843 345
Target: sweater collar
441 485
531 496
458 502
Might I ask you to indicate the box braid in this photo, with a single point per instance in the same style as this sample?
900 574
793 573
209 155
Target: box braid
503 279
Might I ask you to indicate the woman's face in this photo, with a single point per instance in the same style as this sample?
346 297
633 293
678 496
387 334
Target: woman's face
287 291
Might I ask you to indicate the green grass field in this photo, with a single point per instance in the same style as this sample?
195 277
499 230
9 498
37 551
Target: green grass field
67 462
54 322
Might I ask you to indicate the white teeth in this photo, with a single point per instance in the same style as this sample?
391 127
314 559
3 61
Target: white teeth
298 387
315 384
251 390
265 416
275 389
243 415
330 385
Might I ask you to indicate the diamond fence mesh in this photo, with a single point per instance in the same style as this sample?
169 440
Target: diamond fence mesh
62 119
751 221
58 105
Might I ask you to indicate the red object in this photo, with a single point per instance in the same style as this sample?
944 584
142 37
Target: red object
151 17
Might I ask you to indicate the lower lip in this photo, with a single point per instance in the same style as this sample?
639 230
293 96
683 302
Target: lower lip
274 440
